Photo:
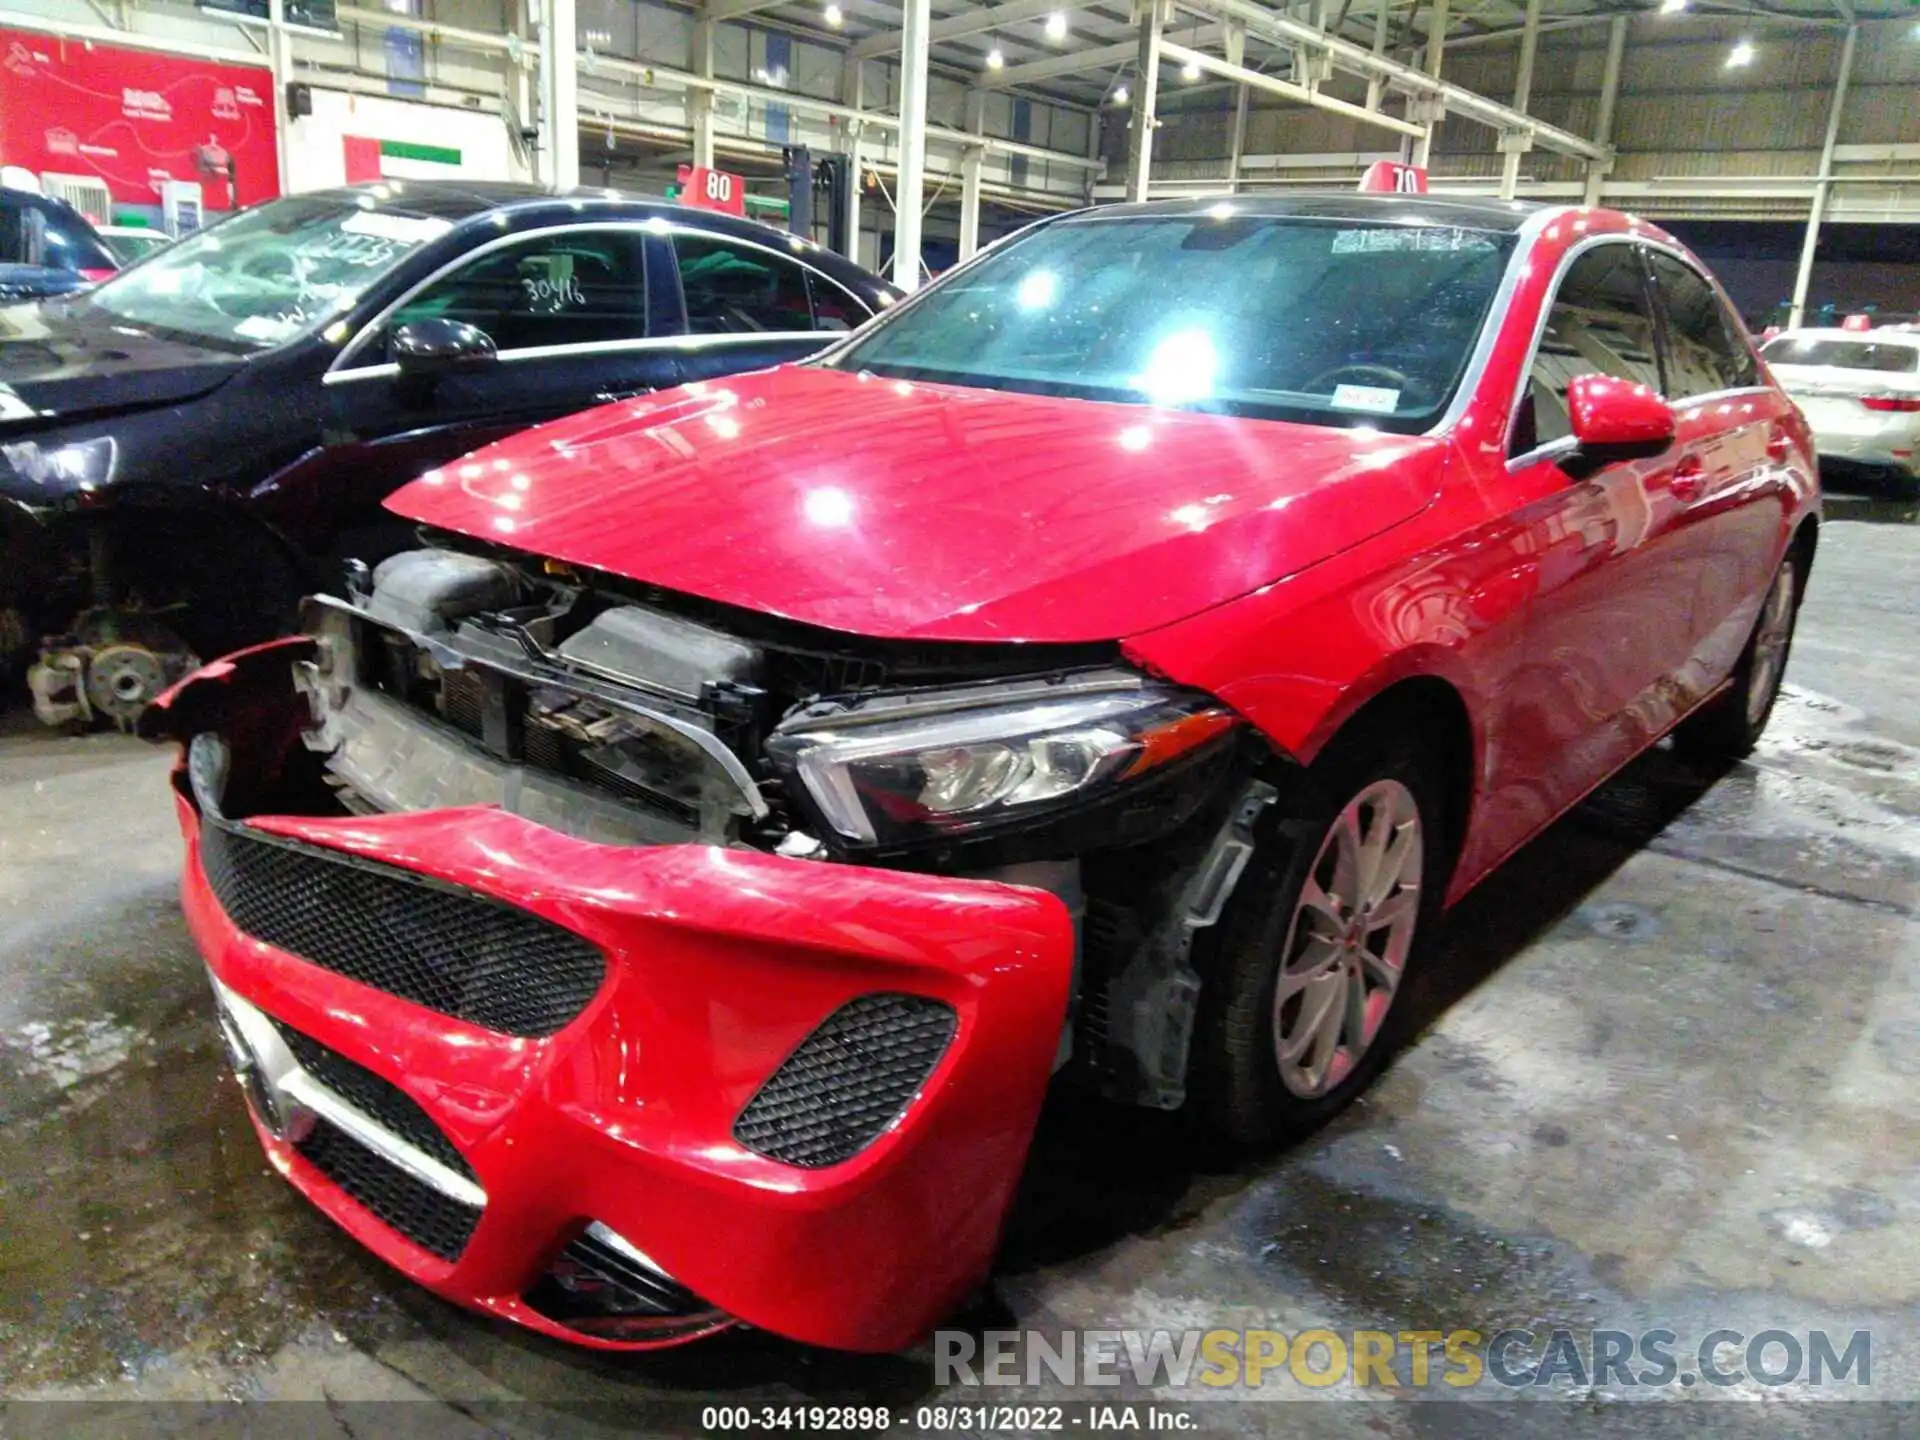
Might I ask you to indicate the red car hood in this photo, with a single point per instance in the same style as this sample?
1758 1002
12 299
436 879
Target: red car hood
902 510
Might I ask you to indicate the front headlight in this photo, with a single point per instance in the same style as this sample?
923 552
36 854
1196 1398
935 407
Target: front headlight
77 465
942 763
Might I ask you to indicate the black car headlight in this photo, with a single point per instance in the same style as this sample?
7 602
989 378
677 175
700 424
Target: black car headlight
934 764
62 468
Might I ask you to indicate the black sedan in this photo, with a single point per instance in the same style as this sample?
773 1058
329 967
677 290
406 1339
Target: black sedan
189 447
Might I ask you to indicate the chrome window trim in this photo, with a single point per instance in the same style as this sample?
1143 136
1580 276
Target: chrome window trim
1556 447
797 255
1526 238
342 366
1572 253
387 369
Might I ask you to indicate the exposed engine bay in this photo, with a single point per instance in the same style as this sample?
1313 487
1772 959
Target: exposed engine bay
611 712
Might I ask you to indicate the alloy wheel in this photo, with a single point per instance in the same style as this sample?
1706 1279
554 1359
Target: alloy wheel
1348 940
1770 639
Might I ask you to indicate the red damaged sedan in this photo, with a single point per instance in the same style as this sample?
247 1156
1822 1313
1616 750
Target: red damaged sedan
661 900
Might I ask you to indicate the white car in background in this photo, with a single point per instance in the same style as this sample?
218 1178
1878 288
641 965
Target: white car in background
1860 390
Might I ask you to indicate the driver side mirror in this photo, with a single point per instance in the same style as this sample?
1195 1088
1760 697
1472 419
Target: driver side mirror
1614 420
428 349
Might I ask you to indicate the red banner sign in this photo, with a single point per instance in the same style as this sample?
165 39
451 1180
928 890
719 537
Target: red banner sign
136 118
712 190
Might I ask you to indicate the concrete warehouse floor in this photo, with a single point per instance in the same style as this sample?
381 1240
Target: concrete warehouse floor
1669 1078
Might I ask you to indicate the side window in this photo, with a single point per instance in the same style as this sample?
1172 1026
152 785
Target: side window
833 308
13 232
1705 348
737 289
1601 323
580 287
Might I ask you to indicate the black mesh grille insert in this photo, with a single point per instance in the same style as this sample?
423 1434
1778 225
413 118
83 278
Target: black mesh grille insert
591 1277
463 701
847 1081
374 1097
452 951
429 1219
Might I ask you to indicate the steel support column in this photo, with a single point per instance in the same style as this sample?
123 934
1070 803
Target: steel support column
1823 188
522 91
280 66
915 38
700 102
970 159
853 91
1146 99
1609 101
1436 53
1376 85
559 96
1522 93
1237 55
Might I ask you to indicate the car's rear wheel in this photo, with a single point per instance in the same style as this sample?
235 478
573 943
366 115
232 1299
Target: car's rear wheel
1730 725
1302 1008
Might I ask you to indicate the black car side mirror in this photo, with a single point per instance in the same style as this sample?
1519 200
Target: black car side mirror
428 349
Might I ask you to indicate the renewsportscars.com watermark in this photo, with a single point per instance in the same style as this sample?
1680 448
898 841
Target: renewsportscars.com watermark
1219 1362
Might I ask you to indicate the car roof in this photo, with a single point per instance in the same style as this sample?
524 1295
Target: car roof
457 201
1462 212
33 199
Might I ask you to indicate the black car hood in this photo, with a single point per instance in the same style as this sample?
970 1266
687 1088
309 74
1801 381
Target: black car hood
63 360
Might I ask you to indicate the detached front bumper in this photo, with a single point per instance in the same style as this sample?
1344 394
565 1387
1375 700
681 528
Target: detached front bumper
718 965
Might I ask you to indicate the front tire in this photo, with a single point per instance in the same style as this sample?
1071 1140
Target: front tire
1729 726
1332 913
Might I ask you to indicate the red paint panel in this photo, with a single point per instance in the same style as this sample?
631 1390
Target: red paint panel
719 963
363 158
932 511
135 118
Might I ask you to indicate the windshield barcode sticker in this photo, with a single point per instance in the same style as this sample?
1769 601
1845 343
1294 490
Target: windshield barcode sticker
1400 240
1376 399
401 229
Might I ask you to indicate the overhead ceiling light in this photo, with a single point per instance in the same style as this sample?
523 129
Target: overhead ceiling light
1057 25
995 60
1120 95
1741 54
1190 71
833 16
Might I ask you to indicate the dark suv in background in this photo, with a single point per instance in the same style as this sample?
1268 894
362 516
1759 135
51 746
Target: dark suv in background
47 247
187 448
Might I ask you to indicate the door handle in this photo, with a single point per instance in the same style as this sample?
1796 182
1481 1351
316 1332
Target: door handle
1689 479
1779 447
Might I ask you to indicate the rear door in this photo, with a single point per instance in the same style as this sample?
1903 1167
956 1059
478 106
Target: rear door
747 306
568 311
1732 436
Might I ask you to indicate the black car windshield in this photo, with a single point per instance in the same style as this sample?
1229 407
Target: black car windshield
1334 322
269 273
1891 357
